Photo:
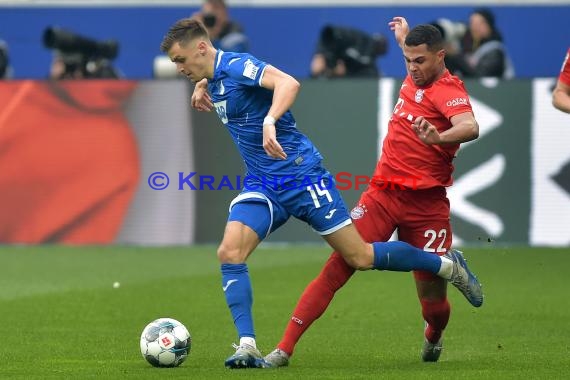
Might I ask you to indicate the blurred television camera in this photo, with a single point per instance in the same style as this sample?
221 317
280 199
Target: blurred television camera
454 36
5 69
78 57
452 32
354 50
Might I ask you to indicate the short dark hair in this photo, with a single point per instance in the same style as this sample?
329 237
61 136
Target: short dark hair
183 31
425 34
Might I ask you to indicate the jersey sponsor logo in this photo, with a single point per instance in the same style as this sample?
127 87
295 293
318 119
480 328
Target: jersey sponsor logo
358 212
250 70
419 95
398 107
457 102
221 108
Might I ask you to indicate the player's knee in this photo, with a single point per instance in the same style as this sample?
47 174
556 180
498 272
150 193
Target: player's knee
228 255
358 262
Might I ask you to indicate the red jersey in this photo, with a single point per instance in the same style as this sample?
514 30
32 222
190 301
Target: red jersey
405 158
565 70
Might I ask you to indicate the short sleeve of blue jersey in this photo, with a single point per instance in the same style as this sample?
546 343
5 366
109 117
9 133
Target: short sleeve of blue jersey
247 70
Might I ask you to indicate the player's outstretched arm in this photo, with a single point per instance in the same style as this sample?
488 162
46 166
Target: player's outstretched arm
401 28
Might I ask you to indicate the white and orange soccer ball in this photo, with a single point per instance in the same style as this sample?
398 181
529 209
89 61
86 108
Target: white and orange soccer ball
165 342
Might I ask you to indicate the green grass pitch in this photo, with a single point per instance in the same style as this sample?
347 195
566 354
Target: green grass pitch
61 318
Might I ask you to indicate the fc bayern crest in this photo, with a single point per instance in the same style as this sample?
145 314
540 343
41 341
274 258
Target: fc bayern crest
358 212
419 95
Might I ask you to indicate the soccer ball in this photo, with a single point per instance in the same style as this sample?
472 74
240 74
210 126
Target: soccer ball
165 342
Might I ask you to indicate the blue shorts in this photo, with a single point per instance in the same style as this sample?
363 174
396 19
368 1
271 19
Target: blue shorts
317 202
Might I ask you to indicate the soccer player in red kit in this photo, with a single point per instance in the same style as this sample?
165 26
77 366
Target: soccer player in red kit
431 118
561 93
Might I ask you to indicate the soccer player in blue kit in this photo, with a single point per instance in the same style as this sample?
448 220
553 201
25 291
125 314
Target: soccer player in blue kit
285 178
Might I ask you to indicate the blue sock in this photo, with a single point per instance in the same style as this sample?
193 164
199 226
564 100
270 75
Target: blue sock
237 289
399 256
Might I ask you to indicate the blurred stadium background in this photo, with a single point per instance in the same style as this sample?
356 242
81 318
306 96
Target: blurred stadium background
76 156
80 175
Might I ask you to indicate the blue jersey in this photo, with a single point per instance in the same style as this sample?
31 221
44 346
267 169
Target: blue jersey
242 104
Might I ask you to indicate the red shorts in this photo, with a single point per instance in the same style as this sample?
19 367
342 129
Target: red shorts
421 218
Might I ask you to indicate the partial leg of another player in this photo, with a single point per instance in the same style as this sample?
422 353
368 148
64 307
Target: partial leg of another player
312 304
432 294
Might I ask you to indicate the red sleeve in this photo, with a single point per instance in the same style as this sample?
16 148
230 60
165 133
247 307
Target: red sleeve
565 70
452 97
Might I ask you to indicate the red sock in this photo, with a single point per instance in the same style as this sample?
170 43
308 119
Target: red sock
436 314
315 300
